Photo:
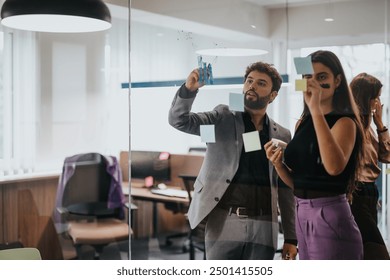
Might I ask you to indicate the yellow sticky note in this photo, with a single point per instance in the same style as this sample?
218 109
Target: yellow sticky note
388 171
301 85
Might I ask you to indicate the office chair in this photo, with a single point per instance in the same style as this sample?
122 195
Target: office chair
20 254
196 235
176 208
90 200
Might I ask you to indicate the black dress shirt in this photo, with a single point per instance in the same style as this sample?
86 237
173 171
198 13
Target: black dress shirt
250 186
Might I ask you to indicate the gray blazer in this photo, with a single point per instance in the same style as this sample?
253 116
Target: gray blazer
222 158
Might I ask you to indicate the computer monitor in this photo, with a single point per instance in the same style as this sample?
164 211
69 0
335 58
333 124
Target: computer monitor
150 163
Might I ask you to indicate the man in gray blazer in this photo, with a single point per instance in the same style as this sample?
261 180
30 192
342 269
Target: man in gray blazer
238 191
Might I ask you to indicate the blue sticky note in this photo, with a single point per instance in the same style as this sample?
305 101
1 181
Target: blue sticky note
207 134
251 141
236 102
303 65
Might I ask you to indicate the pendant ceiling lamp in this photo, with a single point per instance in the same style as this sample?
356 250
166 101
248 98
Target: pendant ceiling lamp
231 52
63 16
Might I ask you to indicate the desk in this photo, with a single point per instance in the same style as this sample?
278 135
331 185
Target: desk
141 193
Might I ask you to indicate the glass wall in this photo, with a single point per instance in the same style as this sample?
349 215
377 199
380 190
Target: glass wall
64 95
166 35
60 95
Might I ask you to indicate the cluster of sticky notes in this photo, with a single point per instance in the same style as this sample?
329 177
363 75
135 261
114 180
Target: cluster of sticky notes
236 103
303 66
251 139
205 72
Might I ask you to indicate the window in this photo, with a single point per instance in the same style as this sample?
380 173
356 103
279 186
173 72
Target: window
17 94
2 99
60 94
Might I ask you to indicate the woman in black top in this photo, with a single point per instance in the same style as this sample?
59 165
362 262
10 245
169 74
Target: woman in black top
320 163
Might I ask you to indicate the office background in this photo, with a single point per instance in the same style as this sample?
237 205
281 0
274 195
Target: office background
62 94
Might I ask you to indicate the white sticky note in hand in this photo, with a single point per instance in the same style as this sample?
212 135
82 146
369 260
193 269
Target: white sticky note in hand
251 141
303 65
236 102
301 85
207 134
279 143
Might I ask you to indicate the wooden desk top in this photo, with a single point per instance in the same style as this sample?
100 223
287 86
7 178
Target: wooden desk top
142 193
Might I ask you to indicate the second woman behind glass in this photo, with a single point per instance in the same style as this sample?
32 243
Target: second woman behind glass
320 164
366 90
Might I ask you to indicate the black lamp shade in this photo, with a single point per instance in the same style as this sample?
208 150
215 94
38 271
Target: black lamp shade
34 10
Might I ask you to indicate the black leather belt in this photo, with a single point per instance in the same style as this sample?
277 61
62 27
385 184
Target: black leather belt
245 212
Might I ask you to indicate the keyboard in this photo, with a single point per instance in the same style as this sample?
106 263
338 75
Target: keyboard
171 192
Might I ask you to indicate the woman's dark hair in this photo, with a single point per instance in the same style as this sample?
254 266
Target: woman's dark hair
365 88
343 104
268 69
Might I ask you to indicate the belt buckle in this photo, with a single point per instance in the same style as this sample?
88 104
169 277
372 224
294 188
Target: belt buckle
238 212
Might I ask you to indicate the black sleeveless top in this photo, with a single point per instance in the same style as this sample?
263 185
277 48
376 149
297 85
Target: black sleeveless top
302 156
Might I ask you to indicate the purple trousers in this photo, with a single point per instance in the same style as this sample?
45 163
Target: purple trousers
326 230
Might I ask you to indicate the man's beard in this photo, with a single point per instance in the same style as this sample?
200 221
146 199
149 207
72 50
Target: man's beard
258 103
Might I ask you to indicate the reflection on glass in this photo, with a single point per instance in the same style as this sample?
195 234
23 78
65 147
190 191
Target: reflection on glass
165 36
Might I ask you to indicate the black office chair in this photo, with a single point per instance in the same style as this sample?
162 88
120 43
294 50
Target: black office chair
177 208
196 235
92 202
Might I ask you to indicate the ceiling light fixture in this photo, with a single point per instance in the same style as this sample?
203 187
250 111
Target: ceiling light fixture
329 12
285 77
231 52
62 16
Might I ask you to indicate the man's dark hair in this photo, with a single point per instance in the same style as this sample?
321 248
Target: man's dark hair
268 69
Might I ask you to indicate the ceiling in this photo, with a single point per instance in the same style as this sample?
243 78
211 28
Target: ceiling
264 3
271 4
261 20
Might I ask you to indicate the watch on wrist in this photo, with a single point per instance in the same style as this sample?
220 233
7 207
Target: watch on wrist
382 130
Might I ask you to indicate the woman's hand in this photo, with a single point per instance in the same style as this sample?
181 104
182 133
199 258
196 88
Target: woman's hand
275 156
313 95
377 114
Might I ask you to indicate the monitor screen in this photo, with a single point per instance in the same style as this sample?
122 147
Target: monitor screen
150 163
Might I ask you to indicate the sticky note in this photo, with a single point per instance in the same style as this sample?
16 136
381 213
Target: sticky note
303 65
301 85
236 102
251 141
149 181
388 171
207 134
